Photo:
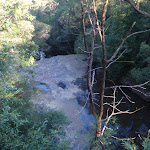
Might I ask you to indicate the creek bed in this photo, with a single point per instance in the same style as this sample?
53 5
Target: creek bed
130 125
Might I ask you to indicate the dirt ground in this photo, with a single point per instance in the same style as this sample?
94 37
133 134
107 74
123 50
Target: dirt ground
56 76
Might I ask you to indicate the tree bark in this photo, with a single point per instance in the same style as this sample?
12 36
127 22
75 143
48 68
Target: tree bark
90 60
99 120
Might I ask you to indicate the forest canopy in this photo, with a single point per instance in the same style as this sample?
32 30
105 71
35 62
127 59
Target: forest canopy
55 27
65 34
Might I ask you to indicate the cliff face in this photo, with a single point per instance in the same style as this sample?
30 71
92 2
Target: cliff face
55 77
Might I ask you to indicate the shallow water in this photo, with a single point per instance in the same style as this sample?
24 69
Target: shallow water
129 125
87 118
137 123
43 86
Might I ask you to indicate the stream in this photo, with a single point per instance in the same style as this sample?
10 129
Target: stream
130 125
42 86
137 123
52 78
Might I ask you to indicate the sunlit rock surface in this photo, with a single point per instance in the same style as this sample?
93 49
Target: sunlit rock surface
58 77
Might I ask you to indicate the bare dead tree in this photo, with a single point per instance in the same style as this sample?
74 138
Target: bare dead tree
102 36
90 52
98 28
115 111
83 24
101 31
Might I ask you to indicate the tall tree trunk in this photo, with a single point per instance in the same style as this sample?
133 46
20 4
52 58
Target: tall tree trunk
99 120
138 4
90 60
83 26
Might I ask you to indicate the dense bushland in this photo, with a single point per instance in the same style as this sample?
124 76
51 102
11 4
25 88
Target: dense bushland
21 126
55 26
65 34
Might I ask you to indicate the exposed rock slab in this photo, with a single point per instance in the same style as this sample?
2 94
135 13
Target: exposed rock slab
58 74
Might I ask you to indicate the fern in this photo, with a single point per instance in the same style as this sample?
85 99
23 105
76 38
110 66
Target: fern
129 145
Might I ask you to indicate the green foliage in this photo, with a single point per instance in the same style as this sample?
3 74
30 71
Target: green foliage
120 18
22 131
78 45
141 74
144 51
146 143
27 62
16 33
66 23
108 140
58 28
21 126
141 71
41 34
58 24
129 145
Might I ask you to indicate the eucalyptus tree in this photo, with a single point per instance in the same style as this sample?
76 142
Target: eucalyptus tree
98 20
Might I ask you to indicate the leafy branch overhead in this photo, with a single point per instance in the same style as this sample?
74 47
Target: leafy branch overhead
145 14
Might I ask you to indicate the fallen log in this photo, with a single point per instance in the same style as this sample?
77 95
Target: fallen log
142 95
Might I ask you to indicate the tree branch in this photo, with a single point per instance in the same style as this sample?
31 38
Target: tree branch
115 59
129 86
118 49
114 109
90 61
145 14
83 24
138 32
